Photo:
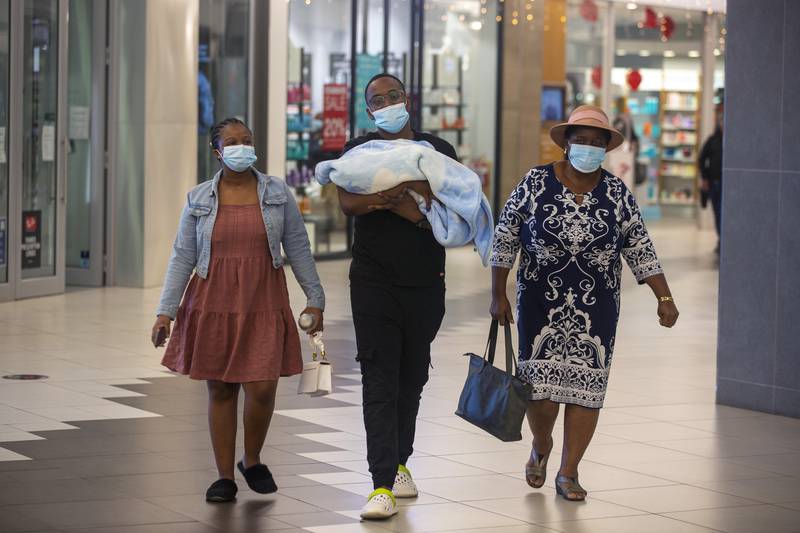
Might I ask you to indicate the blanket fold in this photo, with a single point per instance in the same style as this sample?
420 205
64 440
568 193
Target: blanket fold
459 214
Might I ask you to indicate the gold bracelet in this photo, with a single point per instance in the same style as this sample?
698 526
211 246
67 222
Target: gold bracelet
665 299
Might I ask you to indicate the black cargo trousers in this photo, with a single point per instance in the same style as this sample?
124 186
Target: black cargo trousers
395 327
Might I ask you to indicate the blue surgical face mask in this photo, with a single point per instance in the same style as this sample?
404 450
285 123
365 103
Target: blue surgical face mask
239 157
586 158
392 118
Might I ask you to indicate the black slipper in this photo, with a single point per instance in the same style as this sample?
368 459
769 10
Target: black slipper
222 490
258 478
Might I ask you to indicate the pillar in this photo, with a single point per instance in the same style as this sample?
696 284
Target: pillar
521 78
153 132
757 361
268 75
554 68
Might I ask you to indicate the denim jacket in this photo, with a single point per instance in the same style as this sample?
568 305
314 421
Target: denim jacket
284 225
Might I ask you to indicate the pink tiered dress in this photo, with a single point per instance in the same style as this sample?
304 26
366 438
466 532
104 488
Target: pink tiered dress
236 325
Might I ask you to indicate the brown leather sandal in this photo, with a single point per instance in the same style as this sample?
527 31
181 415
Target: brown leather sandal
536 468
566 486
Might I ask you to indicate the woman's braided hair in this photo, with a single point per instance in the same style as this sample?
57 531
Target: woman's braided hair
217 128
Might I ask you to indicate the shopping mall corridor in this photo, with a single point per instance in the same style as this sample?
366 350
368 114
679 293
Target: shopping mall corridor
110 442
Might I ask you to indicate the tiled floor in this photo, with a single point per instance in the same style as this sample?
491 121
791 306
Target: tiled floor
111 443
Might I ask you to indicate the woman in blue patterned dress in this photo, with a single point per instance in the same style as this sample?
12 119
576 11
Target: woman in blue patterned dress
572 224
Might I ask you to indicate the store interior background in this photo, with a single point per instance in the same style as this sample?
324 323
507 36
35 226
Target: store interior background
489 76
671 109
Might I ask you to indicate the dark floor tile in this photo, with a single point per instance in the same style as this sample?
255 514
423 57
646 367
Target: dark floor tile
97 513
305 468
329 498
12 520
77 447
255 510
120 465
273 456
143 426
179 527
54 491
308 446
185 440
277 437
327 518
291 480
304 401
168 405
38 475
157 484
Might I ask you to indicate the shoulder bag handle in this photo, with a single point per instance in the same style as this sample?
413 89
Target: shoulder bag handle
491 347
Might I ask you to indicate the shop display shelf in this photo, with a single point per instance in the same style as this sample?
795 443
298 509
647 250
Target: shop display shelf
679 161
692 177
443 105
680 109
683 203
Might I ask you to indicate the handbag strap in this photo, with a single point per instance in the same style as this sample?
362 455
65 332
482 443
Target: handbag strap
317 347
491 343
491 347
511 359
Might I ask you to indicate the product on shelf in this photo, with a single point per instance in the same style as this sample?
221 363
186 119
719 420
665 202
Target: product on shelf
678 166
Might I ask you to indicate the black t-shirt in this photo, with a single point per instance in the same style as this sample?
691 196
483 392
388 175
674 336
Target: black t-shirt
390 250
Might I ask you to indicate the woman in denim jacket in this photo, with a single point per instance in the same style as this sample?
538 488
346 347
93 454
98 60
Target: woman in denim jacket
234 326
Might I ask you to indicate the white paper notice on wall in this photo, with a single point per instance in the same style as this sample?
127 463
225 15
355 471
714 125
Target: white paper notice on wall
79 117
49 142
2 145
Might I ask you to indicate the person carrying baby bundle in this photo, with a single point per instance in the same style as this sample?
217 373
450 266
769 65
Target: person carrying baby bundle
397 281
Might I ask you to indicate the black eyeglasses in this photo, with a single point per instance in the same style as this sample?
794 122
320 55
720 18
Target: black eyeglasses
382 100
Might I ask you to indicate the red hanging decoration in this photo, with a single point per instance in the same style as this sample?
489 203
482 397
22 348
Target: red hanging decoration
597 76
634 79
589 10
667 28
650 18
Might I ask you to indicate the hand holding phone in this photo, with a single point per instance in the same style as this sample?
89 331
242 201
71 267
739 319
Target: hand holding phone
160 331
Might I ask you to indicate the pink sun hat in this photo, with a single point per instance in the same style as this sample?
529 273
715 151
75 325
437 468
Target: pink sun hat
587 116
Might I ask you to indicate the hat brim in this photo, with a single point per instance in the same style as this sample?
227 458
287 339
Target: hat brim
558 134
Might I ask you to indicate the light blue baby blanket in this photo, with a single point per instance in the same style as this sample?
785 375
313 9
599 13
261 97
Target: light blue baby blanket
459 213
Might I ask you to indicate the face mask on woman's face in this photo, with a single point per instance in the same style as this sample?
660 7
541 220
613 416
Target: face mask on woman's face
239 157
392 118
586 158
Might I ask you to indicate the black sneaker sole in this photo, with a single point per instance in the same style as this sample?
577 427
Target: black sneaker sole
220 499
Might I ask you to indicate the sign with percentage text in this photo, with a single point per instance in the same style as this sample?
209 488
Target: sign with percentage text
334 117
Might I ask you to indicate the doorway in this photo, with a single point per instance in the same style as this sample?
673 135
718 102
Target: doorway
32 158
52 145
86 146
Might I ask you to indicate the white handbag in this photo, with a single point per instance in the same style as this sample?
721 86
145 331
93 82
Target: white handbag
317 376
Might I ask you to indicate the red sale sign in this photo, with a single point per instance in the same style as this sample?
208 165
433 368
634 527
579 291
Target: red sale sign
334 117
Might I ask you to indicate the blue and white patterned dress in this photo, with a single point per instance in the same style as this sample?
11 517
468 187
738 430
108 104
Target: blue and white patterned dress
568 284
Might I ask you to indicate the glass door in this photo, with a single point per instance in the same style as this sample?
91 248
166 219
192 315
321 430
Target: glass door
6 290
37 151
85 164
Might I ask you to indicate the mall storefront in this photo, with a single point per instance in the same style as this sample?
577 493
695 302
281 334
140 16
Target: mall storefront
86 110
655 61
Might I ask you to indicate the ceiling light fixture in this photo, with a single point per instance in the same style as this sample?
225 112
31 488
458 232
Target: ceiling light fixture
694 53
669 53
